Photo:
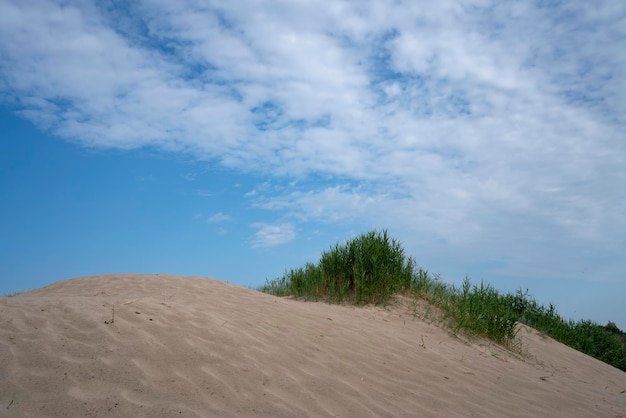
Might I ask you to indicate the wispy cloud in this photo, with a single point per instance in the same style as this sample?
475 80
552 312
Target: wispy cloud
189 176
270 235
218 217
487 125
203 193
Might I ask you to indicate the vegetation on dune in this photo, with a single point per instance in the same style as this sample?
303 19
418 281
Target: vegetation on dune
368 269
11 294
373 267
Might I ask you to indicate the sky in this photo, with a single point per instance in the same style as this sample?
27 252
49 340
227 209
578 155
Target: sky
238 139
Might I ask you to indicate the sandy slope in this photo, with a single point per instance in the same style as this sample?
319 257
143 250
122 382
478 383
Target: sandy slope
195 347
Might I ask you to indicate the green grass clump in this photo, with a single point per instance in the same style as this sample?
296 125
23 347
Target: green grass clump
372 268
368 269
481 310
606 343
11 294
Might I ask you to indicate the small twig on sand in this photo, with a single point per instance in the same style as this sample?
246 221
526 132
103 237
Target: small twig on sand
112 317
10 403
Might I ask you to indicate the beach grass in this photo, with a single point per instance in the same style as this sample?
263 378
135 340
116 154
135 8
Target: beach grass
12 294
373 267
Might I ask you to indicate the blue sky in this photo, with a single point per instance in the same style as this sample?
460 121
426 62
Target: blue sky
238 139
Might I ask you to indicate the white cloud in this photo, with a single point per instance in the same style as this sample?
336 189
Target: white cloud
218 217
270 235
485 125
203 193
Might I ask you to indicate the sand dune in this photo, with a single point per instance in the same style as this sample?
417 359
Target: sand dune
196 347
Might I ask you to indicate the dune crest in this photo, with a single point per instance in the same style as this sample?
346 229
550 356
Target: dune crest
164 346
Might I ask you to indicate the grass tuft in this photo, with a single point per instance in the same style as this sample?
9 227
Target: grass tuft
373 267
12 294
368 269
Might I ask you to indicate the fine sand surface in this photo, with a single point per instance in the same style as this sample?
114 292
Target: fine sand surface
197 347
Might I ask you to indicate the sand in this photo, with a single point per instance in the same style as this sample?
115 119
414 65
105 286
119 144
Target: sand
170 346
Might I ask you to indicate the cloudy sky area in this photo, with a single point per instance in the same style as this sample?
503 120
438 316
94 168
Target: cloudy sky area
236 139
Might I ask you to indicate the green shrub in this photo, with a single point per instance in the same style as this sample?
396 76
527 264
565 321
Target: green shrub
367 269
